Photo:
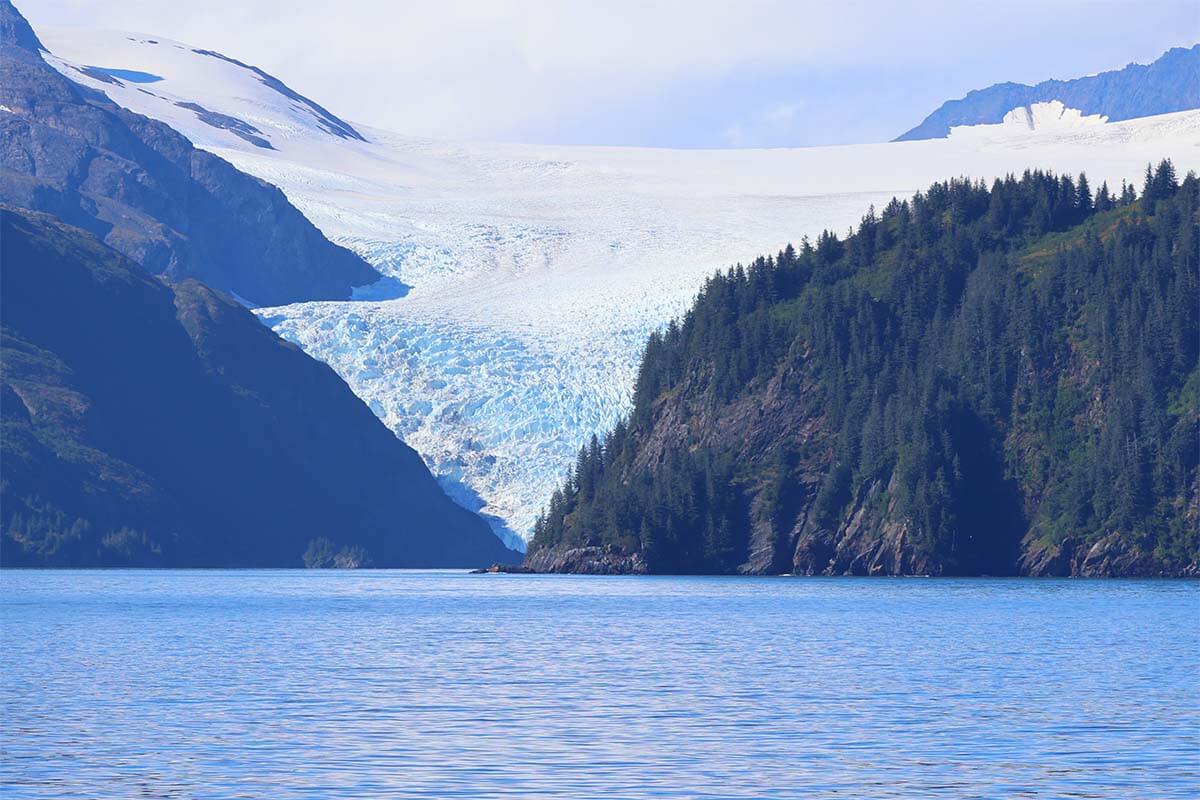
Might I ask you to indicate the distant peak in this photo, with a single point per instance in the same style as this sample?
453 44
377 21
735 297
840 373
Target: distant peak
1168 84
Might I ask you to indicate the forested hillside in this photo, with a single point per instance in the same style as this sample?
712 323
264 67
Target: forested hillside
978 380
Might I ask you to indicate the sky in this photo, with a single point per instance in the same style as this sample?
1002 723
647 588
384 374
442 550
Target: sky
660 73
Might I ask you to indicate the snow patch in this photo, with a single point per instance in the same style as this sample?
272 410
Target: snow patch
1049 117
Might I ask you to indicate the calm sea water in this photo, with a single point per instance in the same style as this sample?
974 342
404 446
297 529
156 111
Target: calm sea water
434 684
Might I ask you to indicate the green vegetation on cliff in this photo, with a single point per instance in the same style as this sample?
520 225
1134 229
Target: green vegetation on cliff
976 381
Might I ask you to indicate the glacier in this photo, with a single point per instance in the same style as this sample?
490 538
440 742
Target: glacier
522 280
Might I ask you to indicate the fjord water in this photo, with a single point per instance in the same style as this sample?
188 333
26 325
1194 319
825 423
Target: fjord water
288 684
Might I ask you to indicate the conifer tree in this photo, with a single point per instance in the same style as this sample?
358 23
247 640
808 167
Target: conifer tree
959 374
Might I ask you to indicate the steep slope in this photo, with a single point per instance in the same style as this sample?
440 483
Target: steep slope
154 425
210 96
537 273
975 382
1171 83
142 188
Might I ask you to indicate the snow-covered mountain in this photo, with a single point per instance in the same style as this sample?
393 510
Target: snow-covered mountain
1171 83
523 280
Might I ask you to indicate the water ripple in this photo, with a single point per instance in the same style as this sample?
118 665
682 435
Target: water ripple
444 685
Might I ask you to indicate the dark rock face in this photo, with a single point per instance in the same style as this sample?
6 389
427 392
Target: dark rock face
240 128
147 424
144 190
606 560
1172 83
1110 557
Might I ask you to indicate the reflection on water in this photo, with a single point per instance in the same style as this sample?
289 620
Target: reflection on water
402 684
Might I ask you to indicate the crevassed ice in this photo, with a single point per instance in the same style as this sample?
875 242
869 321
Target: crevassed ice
519 340
496 413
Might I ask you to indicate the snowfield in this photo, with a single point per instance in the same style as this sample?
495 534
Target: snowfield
1043 116
524 279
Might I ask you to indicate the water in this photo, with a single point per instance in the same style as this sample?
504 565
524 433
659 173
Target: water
401 684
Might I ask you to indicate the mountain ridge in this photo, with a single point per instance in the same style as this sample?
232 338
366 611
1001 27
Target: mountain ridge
1169 83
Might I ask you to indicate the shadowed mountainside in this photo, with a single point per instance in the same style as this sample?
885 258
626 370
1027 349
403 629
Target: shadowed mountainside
146 424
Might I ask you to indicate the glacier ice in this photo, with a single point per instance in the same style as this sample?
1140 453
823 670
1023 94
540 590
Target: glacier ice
524 279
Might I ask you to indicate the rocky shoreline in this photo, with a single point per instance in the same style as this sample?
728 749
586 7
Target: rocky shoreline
1109 557
607 560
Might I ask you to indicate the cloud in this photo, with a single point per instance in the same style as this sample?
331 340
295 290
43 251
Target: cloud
544 70
764 126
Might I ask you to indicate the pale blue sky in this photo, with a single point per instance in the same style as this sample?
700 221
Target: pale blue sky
753 73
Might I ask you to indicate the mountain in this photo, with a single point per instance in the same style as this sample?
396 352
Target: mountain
975 382
147 424
144 189
1171 83
537 272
